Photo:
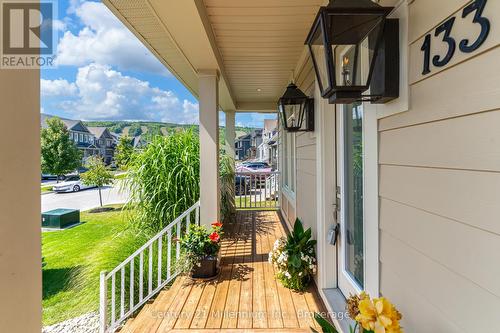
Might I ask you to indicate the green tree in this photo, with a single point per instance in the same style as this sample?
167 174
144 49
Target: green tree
97 174
124 151
59 153
135 130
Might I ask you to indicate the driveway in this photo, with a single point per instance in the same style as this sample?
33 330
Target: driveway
85 199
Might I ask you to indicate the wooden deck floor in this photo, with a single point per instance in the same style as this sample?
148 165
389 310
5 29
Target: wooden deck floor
245 297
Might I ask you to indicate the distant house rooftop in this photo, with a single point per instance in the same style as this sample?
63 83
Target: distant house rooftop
70 123
244 137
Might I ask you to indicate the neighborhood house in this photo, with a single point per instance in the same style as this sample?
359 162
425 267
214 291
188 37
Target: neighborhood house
90 140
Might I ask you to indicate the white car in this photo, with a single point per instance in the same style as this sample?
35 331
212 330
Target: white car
71 184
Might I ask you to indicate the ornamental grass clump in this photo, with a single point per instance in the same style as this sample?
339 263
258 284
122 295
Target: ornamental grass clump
227 189
164 180
294 258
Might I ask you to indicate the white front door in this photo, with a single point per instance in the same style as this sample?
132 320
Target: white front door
350 168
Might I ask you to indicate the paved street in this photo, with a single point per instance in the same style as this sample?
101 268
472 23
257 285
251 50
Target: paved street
83 200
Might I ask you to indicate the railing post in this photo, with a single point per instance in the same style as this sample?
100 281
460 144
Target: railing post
103 303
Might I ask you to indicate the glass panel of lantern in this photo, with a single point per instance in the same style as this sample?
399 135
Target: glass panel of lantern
293 114
317 51
353 62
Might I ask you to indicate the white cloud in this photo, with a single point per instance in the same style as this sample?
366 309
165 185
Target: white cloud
59 25
104 40
60 87
103 93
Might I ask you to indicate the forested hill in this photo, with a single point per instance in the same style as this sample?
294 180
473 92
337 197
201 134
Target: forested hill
132 128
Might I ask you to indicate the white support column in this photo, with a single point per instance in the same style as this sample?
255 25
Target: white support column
20 242
209 147
230 133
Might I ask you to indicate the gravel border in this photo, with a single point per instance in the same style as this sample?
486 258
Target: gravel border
88 323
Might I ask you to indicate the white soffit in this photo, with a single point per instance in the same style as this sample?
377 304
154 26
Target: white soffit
261 43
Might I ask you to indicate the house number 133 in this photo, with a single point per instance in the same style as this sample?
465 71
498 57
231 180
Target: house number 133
476 7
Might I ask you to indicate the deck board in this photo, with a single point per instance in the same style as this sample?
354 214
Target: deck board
244 298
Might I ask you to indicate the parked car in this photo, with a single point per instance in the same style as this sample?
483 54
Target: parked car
242 186
71 184
259 167
46 176
82 170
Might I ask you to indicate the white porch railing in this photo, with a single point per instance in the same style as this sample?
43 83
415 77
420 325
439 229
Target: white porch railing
257 190
148 269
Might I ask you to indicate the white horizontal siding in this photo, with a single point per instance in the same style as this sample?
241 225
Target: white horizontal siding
465 142
470 197
419 315
439 184
460 248
469 88
466 304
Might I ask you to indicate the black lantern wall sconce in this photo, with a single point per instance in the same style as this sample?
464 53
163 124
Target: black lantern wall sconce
355 47
297 110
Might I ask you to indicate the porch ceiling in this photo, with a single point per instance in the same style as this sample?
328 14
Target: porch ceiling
254 44
260 42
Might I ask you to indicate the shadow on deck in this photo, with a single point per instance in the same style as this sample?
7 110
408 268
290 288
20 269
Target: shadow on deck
245 297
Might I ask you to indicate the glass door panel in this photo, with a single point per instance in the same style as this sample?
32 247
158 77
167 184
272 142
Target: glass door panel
351 263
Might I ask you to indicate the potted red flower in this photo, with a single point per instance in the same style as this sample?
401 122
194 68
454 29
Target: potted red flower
200 251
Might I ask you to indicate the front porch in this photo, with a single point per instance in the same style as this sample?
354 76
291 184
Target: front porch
245 296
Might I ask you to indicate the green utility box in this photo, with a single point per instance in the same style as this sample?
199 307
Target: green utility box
60 218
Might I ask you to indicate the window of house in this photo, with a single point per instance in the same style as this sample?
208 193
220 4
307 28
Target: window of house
289 161
81 137
71 136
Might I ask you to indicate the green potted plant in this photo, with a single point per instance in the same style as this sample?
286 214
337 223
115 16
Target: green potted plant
294 258
200 251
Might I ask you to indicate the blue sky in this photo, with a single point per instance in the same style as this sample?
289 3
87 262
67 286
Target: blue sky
103 72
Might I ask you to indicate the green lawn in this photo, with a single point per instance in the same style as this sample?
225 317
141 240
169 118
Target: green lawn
47 188
82 249
264 205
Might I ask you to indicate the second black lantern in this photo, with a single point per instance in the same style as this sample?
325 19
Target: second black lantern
297 110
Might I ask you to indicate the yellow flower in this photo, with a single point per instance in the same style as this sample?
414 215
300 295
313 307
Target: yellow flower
353 302
378 315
